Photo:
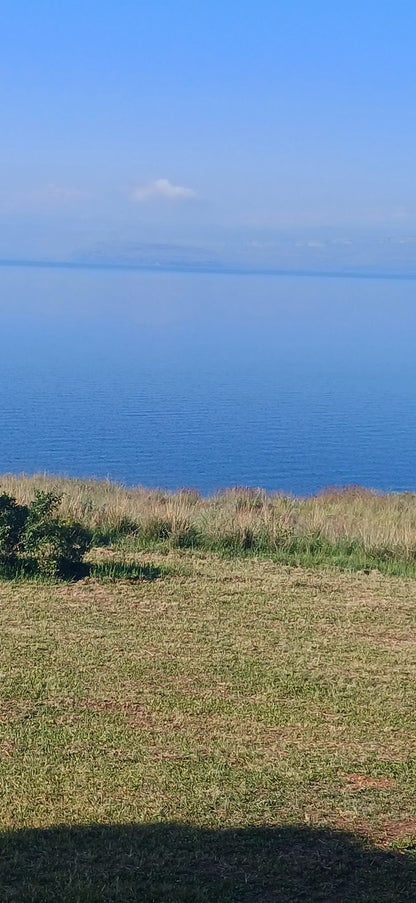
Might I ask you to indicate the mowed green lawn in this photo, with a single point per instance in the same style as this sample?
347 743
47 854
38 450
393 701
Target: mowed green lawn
222 730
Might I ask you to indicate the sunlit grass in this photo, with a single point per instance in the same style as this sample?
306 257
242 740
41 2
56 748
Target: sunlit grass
235 730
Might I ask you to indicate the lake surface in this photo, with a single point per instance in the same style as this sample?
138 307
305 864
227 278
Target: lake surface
206 380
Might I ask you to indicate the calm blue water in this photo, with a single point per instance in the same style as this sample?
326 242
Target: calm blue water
209 380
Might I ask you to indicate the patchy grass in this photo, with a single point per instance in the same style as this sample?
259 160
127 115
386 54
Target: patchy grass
202 729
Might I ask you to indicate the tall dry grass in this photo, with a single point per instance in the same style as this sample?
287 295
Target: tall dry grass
378 523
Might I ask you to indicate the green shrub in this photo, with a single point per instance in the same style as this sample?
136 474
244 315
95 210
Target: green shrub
57 546
12 522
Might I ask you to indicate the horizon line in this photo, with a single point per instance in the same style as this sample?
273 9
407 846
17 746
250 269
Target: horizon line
215 269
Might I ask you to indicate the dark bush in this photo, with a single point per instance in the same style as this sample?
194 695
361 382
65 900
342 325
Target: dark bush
58 546
12 522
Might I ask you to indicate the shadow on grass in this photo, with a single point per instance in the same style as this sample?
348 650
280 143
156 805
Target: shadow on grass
120 570
176 863
25 569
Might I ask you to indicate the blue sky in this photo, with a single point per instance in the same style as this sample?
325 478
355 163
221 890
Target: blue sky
277 132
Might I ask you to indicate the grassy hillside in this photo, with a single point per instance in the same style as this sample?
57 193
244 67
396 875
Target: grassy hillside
212 729
351 528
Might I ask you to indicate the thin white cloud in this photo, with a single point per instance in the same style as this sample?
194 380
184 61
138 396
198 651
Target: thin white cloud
164 189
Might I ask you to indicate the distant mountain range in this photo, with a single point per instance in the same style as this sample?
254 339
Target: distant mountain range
325 253
154 254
